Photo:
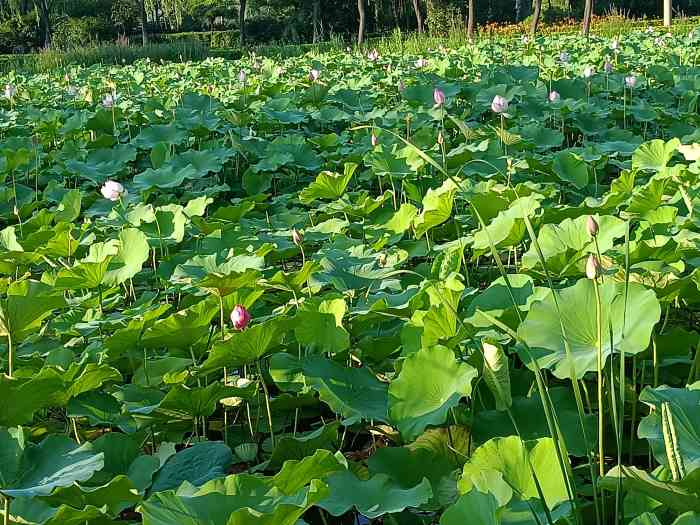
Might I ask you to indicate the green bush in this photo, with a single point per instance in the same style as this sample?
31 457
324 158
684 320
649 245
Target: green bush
72 33
19 34
214 39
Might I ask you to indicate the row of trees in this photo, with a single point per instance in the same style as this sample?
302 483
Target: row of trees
297 20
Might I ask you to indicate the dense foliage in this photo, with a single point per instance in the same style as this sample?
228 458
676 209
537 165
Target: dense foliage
455 287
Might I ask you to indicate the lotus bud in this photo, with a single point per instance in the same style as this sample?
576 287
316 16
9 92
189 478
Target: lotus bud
440 138
108 101
314 75
592 226
630 81
615 44
240 317
297 237
438 97
592 267
499 104
608 67
10 90
373 55
242 76
374 140
588 71
564 57
421 63
554 97
112 190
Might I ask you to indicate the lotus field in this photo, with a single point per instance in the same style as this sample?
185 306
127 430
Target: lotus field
453 288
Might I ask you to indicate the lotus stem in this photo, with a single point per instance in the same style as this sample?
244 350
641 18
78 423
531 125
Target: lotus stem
600 363
267 402
10 355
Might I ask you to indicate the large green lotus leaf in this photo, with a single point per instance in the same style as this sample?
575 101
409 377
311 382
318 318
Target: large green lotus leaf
681 496
254 503
241 348
646 519
541 137
328 185
688 518
430 383
79 379
508 227
156 133
353 393
290 447
504 467
437 207
69 208
497 303
684 404
22 397
532 424
133 252
569 167
408 467
655 154
201 401
373 497
542 328
24 309
165 177
474 507
116 495
28 469
37 512
566 243
82 275
197 465
184 328
322 330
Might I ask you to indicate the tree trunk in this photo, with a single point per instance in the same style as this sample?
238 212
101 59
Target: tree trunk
471 19
536 17
316 21
241 22
45 19
419 17
361 29
518 10
143 20
587 14
667 13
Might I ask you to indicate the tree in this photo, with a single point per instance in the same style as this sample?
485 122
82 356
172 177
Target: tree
361 29
470 20
143 22
316 20
44 8
587 14
536 17
668 13
241 21
419 17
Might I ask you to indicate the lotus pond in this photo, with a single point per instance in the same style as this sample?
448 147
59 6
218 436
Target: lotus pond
461 287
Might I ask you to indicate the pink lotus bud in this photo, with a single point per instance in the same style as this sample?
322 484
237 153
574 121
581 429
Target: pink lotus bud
374 140
499 104
608 67
297 237
438 97
240 317
592 226
592 267
112 190
554 97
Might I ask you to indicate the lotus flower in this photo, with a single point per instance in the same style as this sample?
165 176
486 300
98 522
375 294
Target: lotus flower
499 104
297 237
630 81
373 55
588 71
402 86
10 90
242 76
240 317
112 190
109 100
421 63
564 57
314 75
554 96
592 226
374 140
592 267
615 44
524 40
438 97
608 67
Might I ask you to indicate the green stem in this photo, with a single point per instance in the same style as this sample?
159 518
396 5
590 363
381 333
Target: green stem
10 356
600 365
267 403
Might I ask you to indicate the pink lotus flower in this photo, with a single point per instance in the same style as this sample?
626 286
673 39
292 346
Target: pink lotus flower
242 76
608 67
554 96
499 104
112 190
240 317
630 81
109 101
373 55
438 97
615 44
314 75
588 71
421 63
